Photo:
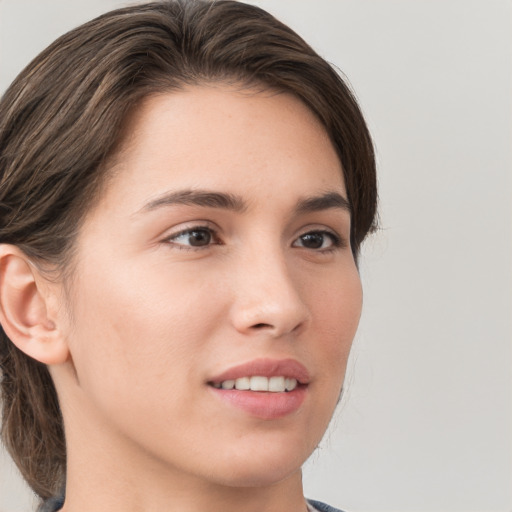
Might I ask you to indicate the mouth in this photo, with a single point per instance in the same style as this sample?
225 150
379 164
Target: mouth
263 388
275 384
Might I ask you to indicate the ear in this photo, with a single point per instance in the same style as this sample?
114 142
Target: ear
27 300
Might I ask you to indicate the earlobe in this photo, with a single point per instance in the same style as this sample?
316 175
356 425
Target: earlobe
24 312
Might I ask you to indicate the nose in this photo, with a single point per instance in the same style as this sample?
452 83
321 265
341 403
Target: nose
268 298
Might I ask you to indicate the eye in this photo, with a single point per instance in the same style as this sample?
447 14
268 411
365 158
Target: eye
318 240
194 237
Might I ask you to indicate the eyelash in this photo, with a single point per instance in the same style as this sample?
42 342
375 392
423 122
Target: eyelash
171 239
336 241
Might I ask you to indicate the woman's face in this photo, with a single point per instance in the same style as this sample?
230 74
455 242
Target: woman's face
218 252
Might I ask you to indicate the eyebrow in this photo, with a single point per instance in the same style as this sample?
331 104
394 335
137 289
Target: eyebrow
323 202
227 201
202 198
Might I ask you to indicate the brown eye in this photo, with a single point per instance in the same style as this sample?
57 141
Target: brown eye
193 237
312 240
199 237
317 240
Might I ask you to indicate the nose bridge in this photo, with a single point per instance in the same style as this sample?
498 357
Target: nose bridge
267 294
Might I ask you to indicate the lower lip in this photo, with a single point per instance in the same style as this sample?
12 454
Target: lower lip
264 405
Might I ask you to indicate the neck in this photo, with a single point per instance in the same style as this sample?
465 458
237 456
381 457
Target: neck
103 489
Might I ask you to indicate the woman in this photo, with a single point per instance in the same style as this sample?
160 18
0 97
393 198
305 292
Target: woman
184 190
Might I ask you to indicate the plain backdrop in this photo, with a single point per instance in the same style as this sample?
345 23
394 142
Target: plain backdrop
426 423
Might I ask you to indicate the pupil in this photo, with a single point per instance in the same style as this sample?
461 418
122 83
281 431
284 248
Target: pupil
198 238
313 240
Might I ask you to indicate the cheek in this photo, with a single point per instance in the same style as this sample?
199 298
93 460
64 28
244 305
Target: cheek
336 310
139 323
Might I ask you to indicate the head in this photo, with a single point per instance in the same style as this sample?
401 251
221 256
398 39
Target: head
73 126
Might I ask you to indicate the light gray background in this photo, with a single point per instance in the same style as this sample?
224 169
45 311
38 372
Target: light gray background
427 422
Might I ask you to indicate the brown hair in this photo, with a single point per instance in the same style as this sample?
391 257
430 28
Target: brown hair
63 116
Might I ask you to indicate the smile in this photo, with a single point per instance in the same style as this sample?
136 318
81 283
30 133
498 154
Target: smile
276 384
263 388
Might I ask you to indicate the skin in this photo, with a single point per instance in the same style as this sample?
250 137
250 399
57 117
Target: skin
148 319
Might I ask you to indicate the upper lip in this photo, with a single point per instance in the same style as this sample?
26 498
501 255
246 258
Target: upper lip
266 368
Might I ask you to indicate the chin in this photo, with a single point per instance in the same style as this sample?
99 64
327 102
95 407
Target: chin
269 466
258 477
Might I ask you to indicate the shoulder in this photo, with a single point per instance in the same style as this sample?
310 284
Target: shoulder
322 507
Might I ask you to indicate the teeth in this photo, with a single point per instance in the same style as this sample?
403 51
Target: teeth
228 384
276 384
290 384
243 383
258 383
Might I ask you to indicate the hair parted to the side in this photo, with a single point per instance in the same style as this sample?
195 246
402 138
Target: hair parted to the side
63 117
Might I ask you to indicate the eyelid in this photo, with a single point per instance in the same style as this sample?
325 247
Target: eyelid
340 240
337 242
184 228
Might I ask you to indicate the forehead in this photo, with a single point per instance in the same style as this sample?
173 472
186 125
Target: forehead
221 137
